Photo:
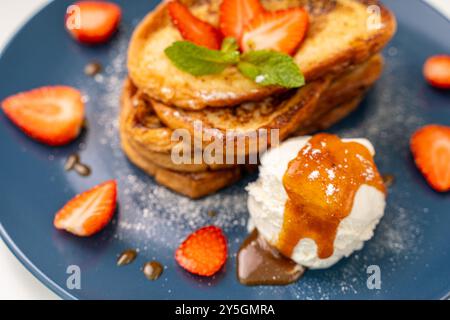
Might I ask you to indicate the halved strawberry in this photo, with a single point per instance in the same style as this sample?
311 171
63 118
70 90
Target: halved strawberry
437 71
192 28
282 30
89 212
235 15
93 22
204 252
431 150
51 115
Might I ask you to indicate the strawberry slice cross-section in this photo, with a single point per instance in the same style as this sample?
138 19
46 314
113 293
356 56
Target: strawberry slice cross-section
89 212
282 30
192 28
235 15
430 146
51 115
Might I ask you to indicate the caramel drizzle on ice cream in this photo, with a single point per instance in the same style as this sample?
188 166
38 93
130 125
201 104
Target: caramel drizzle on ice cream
321 183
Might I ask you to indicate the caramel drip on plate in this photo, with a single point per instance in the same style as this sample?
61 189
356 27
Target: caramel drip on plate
260 264
321 183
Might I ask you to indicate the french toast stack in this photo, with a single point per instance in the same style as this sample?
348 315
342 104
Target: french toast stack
339 58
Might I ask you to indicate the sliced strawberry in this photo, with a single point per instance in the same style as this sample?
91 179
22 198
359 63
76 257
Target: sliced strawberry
51 115
431 150
204 252
93 22
235 15
282 31
437 71
89 212
192 28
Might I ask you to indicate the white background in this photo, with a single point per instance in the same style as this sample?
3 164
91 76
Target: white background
15 281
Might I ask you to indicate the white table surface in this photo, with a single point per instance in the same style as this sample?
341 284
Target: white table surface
15 281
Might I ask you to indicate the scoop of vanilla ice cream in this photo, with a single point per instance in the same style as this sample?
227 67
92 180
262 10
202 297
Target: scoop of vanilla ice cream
267 198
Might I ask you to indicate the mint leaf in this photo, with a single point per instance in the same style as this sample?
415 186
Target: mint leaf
200 61
271 68
229 45
265 67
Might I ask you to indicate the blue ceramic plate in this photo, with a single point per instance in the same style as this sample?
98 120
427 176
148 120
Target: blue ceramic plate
411 245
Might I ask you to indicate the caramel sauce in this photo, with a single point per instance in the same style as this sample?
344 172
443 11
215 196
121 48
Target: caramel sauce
126 257
260 264
153 270
321 183
73 162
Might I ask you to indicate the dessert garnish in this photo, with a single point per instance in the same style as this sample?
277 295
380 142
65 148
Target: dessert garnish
321 183
92 69
388 180
73 162
126 257
89 212
83 169
212 213
281 31
204 252
258 263
50 115
430 146
153 270
93 22
266 38
193 29
235 15
437 71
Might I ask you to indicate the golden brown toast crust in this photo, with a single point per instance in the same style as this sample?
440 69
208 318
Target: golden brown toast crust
285 113
338 38
192 185
227 125
141 127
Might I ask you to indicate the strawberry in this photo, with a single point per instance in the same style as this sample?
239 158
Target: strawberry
89 212
192 28
282 30
204 252
51 115
431 150
235 15
93 22
437 71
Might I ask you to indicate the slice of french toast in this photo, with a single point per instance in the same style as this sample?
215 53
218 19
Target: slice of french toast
145 132
342 33
193 185
197 182
285 113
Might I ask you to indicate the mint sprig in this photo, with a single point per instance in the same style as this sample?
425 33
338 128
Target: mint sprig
265 67
200 61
